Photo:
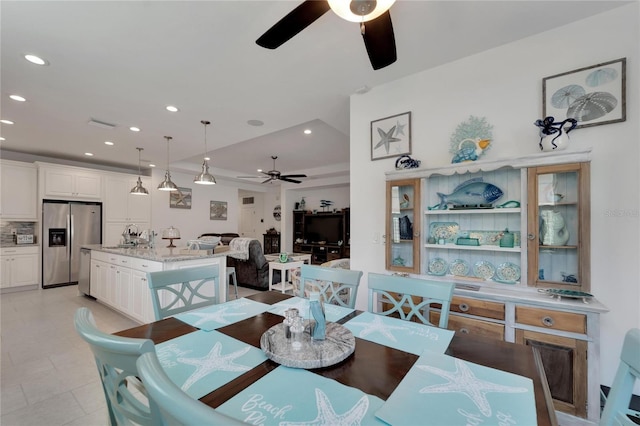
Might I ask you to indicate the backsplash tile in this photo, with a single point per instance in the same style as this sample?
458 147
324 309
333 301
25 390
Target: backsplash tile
6 237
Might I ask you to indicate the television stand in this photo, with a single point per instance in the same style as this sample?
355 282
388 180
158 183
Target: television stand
320 253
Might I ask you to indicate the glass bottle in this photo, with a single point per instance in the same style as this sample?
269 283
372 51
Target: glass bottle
318 325
289 317
297 333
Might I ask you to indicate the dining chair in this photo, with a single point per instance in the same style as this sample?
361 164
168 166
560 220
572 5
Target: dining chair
616 408
406 288
116 361
337 286
181 290
171 405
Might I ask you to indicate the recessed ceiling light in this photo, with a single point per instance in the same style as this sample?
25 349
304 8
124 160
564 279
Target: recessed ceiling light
307 131
172 108
36 60
88 154
134 129
151 165
207 158
255 123
259 170
17 98
6 121
108 143
1 138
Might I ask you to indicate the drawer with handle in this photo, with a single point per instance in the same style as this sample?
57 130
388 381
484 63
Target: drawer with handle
555 320
145 265
471 326
476 307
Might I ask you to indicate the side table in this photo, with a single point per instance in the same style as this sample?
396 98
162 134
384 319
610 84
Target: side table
284 284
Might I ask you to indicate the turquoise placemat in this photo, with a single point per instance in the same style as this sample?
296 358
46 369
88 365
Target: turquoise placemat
449 391
407 336
216 316
290 396
332 312
202 361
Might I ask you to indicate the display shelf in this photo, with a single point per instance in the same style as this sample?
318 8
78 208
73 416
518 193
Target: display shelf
517 210
474 248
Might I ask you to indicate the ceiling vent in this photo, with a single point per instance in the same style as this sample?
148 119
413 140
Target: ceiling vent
101 124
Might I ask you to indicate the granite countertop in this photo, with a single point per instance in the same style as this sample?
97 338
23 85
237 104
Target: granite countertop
158 254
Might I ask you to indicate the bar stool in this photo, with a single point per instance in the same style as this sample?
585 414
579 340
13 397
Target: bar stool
231 271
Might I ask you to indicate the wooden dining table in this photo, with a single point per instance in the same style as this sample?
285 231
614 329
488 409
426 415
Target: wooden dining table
373 368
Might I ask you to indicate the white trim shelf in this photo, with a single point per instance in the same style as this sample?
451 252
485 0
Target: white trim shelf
477 248
474 211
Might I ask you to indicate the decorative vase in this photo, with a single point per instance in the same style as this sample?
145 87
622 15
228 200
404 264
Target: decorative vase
553 229
284 257
555 136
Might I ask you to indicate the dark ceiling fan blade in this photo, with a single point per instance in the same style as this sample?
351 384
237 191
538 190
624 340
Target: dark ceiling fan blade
286 179
292 176
268 180
380 41
297 20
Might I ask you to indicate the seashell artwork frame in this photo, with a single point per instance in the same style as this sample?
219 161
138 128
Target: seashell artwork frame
592 95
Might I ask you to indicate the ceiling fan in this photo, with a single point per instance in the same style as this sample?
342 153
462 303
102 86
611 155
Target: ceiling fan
276 175
373 16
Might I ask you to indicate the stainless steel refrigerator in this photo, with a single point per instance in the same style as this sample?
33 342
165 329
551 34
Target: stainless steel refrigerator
66 226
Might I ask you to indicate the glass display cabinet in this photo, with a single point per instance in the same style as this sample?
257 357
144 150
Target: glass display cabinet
559 227
402 232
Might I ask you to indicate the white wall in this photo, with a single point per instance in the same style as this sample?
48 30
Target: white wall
504 85
195 221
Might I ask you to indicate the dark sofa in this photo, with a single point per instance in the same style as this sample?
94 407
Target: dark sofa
253 272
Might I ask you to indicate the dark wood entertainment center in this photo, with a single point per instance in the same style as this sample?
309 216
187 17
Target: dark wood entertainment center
310 232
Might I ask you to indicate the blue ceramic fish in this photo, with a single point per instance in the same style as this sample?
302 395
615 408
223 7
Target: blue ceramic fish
471 192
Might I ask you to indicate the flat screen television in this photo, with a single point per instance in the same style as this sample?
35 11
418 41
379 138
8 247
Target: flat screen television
323 228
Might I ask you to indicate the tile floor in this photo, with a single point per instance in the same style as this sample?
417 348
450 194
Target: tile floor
47 373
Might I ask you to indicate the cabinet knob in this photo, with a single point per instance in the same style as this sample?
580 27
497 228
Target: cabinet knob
464 330
548 321
531 237
463 307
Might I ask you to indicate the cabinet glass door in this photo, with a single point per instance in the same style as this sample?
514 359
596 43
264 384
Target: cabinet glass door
403 226
559 226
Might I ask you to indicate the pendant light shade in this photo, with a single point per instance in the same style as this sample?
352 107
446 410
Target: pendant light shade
166 184
204 177
139 189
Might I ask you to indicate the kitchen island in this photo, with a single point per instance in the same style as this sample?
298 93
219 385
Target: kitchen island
119 275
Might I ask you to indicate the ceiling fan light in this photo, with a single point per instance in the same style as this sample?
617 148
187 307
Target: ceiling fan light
342 8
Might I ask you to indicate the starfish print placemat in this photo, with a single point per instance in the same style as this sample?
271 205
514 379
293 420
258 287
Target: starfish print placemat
290 396
332 312
216 316
450 391
406 336
202 361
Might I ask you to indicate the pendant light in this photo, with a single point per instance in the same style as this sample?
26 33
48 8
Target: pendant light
139 189
204 177
166 184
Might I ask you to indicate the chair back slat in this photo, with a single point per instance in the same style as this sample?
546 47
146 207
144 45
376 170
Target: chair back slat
181 290
172 404
116 358
616 408
336 285
407 288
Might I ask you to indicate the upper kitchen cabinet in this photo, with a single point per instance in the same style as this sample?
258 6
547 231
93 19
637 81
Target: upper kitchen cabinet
121 205
19 182
70 183
559 226
402 231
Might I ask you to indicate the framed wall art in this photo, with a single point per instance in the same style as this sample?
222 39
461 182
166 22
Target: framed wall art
180 199
592 95
391 136
218 210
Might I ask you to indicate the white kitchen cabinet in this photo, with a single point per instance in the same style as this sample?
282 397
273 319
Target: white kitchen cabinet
19 266
19 193
70 183
121 206
99 270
